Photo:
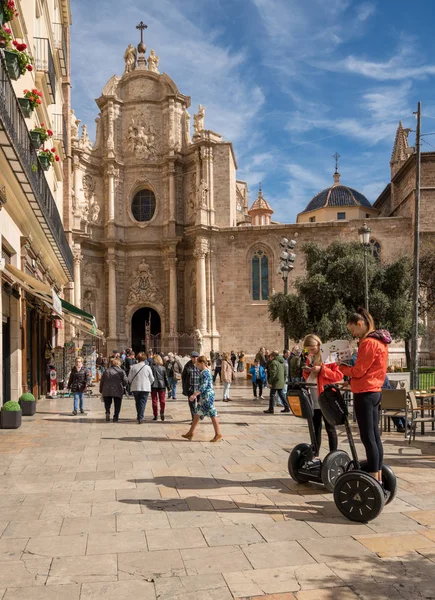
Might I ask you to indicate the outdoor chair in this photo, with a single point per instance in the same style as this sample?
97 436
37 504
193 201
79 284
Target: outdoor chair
415 411
394 404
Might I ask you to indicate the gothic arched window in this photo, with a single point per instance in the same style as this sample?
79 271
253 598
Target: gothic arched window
260 276
375 248
143 206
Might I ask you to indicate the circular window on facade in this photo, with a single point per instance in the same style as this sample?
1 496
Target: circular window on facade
143 206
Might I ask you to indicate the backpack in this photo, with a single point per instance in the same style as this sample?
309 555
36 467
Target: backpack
333 405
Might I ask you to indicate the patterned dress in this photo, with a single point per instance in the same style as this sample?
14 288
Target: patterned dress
205 406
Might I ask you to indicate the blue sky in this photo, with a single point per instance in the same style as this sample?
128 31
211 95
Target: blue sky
288 82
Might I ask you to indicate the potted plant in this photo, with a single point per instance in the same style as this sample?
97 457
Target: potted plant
7 11
18 61
5 36
47 158
40 135
28 404
30 101
10 415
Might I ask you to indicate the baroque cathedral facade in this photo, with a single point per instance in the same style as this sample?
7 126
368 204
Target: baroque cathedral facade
167 252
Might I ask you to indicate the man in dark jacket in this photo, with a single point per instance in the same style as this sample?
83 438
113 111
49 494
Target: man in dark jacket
128 363
77 383
276 379
190 380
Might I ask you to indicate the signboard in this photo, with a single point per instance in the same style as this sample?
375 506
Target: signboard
57 304
53 382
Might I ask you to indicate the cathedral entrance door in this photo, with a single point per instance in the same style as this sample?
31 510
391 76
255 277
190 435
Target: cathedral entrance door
146 330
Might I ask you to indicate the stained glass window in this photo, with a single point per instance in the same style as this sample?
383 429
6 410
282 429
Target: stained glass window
144 205
260 276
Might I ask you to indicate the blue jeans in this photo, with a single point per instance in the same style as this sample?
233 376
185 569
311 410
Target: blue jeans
281 396
172 387
78 396
141 401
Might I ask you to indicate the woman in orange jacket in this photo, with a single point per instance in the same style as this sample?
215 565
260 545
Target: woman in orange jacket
317 372
366 381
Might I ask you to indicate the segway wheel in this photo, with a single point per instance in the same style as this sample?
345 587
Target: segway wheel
296 460
358 496
388 479
334 465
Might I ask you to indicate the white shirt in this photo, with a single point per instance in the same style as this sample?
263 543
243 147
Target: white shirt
140 377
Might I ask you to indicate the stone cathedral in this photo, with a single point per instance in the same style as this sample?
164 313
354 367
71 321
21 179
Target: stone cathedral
167 252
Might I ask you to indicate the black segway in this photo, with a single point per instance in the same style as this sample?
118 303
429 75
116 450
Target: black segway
357 495
302 466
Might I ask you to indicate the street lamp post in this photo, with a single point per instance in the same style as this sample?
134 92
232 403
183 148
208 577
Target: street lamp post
364 236
287 259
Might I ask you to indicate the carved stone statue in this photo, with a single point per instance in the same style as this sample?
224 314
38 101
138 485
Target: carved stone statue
84 141
130 59
198 121
74 125
111 86
203 193
94 212
89 185
143 288
141 139
89 302
191 200
186 123
198 340
153 62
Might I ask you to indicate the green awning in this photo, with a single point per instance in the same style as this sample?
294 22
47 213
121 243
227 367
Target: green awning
74 310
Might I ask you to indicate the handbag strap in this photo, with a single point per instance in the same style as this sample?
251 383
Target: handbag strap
136 374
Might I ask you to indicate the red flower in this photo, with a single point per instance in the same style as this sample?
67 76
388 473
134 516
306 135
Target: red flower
29 67
15 43
31 98
53 150
38 101
56 158
7 30
42 125
26 91
49 132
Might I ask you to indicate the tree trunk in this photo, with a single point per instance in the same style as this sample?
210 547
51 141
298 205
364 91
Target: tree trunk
408 353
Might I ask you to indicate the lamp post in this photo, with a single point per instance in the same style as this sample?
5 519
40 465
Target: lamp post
287 259
364 236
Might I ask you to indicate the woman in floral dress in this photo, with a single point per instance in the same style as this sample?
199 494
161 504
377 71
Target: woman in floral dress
205 405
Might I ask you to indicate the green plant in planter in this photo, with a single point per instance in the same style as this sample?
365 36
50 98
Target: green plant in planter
11 406
8 10
28 404
44 132
5 36
27 397
47 158
24 59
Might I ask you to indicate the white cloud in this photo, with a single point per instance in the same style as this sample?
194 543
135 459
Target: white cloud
365 10
189 53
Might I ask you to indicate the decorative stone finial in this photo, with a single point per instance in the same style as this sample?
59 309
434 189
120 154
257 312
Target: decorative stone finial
141 61
198 122
336 174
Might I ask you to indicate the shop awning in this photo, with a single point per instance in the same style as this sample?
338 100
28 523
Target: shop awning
35 287
81 319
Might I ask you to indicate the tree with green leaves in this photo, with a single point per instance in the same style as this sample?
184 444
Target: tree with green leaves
333 286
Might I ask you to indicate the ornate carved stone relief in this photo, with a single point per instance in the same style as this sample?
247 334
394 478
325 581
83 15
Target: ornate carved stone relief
90 277
143 288
141 138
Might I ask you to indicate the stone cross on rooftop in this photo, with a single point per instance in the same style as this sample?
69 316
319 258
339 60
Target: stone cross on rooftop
141 61
336 156
141 27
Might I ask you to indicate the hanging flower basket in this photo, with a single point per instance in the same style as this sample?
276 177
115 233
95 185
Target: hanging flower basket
5 36
36 139
7 11
2 13
45 162
47 158
26 107
43 131
12 64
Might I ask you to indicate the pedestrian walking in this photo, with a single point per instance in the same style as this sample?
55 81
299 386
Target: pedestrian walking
227 375
241 363
129 361
258 378
112 386
159 387
276 379
78 383
205 405
140 379
173 371
190 380
296 364
233 358
217 367
261 357
315 371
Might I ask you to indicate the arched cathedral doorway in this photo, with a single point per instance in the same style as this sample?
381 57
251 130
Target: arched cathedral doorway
146 330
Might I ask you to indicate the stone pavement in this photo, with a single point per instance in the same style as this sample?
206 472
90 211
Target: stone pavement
108 511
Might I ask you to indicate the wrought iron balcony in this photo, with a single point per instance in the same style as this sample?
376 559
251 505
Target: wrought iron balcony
16 144
59 130
60 45
44 63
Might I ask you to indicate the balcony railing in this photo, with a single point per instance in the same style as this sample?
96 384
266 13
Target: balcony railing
59 129
16 144
60 45
44 63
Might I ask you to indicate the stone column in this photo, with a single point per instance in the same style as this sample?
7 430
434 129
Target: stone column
111 175
111 264
200 252
171 265
171 178
78 257
76 169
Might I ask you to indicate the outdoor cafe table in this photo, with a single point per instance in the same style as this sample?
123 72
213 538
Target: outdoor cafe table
422 397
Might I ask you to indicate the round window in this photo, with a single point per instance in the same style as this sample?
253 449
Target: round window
143 206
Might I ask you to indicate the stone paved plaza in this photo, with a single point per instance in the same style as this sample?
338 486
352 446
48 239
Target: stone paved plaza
112 511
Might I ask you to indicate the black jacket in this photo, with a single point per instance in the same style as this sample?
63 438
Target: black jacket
128 363
190 379
78 380
160 378
113 382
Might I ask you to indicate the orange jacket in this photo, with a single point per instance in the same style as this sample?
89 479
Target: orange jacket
327 374
368 374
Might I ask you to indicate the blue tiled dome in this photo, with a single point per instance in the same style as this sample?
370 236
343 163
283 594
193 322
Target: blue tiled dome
337 195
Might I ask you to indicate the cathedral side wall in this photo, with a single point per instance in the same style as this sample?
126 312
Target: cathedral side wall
244 323
224 172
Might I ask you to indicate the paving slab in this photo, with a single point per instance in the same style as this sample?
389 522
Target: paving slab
83 569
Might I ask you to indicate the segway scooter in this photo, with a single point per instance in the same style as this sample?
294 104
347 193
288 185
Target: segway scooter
302 465
357 494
